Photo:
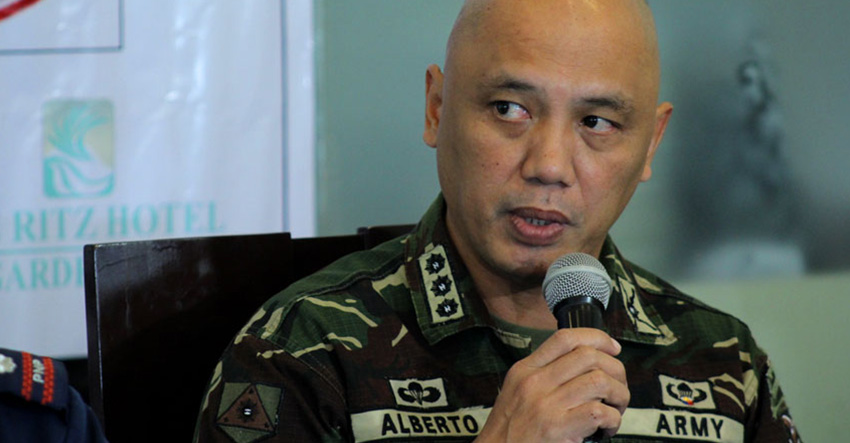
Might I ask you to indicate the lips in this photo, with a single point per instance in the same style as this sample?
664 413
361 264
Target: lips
8 9
538 227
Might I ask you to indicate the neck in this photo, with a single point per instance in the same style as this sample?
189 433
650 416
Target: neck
523 307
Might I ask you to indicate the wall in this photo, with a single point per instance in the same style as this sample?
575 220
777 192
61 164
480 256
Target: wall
800 322
373 166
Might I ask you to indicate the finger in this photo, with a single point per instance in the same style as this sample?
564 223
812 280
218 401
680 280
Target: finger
564 341
592 417
594 386
586 419
582 360
539 391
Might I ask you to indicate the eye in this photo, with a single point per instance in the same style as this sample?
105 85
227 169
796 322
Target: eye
510 111
599 124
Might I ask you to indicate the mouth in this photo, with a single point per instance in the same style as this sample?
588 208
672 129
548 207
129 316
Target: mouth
537 221
538 227
541 217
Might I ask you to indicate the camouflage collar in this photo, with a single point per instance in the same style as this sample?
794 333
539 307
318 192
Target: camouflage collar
444 296
446 302
630 316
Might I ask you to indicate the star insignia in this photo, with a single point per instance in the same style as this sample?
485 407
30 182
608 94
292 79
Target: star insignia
442 286
447 308
435 263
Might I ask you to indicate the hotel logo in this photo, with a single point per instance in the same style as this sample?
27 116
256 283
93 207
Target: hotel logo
79 148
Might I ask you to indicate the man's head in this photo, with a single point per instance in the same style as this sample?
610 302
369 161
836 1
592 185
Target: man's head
545 121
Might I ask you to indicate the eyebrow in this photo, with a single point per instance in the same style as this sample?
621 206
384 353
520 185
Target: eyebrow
616 104
613 102
511 83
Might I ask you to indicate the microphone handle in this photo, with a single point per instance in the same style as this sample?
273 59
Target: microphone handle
581 312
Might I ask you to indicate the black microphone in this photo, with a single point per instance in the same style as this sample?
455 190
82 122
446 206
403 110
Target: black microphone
577 289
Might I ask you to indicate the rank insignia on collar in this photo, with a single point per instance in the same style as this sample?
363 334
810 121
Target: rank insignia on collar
435 263
440 288
634 308
249 411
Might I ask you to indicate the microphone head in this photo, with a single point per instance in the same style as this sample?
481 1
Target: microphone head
576 275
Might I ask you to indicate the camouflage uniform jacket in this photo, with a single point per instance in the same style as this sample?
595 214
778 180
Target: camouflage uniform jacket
394 344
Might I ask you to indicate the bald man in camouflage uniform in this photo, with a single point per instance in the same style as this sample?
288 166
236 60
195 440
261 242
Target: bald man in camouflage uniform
544 122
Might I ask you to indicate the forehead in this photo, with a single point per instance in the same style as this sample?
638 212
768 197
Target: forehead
571 44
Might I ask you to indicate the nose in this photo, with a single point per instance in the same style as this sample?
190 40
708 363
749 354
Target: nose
549 156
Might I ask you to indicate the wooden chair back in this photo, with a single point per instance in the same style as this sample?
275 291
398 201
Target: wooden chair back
160 312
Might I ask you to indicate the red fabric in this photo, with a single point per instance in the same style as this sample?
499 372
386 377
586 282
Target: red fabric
15 7
26 382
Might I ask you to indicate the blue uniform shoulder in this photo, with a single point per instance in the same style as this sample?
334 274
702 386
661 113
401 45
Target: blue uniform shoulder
36 397
33 378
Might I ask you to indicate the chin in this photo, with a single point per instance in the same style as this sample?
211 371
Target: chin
531 271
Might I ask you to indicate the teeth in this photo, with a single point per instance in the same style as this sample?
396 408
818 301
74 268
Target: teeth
537 222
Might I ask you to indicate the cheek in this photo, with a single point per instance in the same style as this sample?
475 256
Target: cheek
608 181
485 158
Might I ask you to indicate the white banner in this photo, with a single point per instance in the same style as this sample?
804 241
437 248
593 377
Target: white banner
131 120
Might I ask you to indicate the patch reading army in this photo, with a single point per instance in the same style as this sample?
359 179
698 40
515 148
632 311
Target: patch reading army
680 426
686 394
249 411
391 424
443 299
417 393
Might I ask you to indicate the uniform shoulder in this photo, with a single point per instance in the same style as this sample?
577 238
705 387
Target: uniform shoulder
33 378
339 276
357 286
667 297
36 397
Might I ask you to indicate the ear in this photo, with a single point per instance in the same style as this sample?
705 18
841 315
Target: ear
433 104
662 116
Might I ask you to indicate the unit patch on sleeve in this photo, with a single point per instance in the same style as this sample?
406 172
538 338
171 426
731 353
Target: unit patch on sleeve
249 411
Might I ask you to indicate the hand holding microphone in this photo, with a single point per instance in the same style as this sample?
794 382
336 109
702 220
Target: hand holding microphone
572 386
577 289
